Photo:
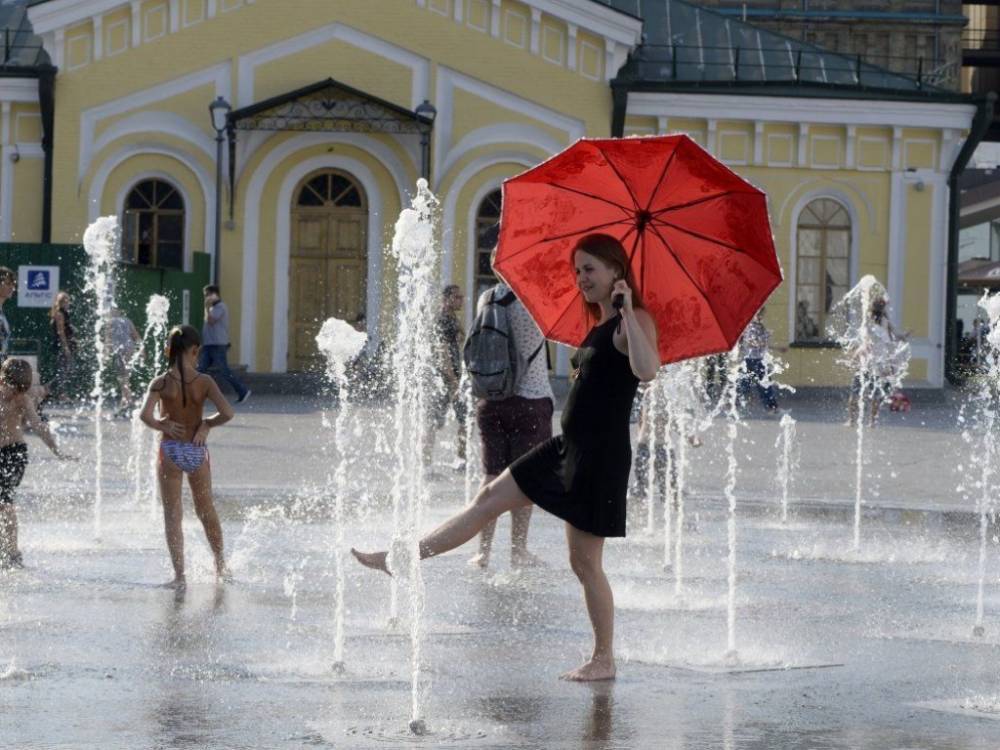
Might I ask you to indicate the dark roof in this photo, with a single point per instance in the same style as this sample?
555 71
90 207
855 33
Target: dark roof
686 46
19 47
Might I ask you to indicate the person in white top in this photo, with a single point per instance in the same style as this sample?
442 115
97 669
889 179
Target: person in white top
510 427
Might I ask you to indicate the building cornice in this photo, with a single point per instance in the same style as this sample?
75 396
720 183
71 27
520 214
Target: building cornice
931 114
606 21
57 14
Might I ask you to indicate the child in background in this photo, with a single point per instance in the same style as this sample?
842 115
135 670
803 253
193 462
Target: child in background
17 408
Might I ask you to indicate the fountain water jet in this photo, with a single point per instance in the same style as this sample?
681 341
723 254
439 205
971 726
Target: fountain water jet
414 247
878 360
142 443
985 402
101 243
787 460
339 343
729 405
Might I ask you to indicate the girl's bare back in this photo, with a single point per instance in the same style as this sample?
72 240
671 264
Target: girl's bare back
184 407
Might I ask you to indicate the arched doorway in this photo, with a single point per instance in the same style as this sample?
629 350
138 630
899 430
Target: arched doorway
328 261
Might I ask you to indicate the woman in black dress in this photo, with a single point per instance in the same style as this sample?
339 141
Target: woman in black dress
580 476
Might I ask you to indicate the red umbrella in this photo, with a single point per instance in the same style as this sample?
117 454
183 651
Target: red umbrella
697 235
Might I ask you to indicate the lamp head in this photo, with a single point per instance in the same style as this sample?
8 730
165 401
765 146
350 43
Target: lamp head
426 110
219 110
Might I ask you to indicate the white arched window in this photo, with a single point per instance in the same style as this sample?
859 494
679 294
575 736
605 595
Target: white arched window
154 225
822 265
487 232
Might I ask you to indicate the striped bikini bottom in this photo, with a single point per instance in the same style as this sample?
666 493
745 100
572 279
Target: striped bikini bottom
187 457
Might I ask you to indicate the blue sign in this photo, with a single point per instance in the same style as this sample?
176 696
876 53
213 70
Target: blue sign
37 286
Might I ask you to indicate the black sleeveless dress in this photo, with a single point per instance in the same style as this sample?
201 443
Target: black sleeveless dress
581 476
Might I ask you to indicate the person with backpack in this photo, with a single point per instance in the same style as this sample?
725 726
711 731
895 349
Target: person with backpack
507 365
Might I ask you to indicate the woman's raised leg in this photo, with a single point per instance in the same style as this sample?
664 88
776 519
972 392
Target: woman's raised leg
497 497
586 557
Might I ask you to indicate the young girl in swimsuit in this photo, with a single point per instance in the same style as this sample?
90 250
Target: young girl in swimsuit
181 393
582 475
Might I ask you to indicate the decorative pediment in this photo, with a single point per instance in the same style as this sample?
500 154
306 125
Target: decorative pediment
329 106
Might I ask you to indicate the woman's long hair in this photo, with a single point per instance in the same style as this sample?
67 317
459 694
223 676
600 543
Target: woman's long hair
56 308
611 253
180 340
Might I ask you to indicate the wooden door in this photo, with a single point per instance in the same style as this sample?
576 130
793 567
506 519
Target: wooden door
328 265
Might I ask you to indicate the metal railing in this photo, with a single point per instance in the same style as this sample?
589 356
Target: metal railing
981 39
789 63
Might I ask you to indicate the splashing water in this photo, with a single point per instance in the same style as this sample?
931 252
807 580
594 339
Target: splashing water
729 404
878 359
142 443
101 242
787 448
981 435
339 343
414 247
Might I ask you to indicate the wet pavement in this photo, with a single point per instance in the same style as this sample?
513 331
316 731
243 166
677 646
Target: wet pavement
836 649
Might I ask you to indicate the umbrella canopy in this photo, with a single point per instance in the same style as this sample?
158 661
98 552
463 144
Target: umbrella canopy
697 236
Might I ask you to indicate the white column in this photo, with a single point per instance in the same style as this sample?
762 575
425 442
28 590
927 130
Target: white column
852 138
939 278
897 148
459 11
211 8
571 46
422 3
6 174
758 142
98 37
495 19
803 144
536 30
661 125
897 241
59 48
175 16
609 59
136 21
711 135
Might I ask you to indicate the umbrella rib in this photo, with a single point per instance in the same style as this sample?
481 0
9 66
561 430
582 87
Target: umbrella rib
695 202
700 236
694 283
564 236
663 174
635 202
589 195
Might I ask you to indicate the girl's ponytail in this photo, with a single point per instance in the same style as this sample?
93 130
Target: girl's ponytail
181 339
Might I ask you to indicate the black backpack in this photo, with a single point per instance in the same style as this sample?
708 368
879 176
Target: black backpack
492 359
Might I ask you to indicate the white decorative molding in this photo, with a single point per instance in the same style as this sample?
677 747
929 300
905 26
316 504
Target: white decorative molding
871 139
711 142
86 42
177 185
217 76
803 144
603 20
448 80
896 267
60 14
553 33
420 66
156 10
175 15
6 175
742 134
484 5
59 48
251 213
599 74
571 33
814 162
111 50
536 27
495 19
907 142
662 123
459 11
938 278
135 20
758 142
951 145
789 109
98 38
511 20
850 158
897 148
211 8
158 123
23 90
501 134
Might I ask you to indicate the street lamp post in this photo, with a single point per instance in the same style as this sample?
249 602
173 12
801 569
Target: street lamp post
219 109
427 111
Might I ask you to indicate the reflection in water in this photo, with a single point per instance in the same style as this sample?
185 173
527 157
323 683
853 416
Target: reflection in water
599 722
181 711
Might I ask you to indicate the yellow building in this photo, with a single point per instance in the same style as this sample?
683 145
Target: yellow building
329 132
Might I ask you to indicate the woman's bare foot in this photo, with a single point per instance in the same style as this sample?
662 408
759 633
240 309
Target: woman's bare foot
373 560
223 574
479 560
592 671
179 582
